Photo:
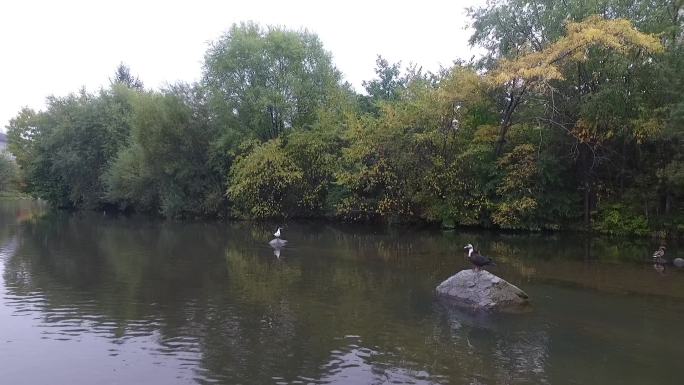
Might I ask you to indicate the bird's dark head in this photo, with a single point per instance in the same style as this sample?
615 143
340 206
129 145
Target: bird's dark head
662 247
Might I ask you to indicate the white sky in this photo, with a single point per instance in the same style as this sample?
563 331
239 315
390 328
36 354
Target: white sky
54 47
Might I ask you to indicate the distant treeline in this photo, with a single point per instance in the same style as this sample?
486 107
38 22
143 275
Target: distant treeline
573 118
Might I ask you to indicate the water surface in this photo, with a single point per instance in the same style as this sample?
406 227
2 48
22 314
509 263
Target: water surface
90 298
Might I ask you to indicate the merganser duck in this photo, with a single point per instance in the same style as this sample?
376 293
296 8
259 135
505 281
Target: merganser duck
476 258
659 256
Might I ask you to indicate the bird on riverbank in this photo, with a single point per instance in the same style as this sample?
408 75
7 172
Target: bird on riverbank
659 256
277 233
476 258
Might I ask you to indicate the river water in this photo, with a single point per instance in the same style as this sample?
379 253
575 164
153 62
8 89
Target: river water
90 298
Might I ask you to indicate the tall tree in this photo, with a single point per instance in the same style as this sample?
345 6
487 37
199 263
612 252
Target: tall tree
388 83
64 150
124 76
166 167
263 82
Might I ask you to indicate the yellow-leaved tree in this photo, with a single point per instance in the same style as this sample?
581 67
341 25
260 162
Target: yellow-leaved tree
535 71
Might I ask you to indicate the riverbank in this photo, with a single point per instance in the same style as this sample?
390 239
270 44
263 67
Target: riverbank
655 237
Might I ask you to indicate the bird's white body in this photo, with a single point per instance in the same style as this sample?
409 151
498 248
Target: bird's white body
277 233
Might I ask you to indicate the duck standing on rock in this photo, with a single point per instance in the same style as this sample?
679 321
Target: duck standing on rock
477 259
659 256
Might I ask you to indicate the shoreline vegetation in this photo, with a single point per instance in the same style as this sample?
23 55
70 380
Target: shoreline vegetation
14 195
573 119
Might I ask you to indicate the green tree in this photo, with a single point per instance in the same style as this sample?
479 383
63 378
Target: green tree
165 169
593 86
398 166
124 77
8 173
388 83
263 82
263 182
64 150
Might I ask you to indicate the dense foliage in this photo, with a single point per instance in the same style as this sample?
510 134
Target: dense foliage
573 118
8 174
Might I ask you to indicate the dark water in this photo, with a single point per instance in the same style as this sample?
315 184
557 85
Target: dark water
93 299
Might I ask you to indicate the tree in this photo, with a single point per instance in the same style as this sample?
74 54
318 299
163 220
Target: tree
64 150
538 69
398 164
124 77
264 82
165 167
264 181
21 134
600 91
8 173
388 83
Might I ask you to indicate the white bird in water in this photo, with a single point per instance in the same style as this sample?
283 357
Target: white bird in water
277 243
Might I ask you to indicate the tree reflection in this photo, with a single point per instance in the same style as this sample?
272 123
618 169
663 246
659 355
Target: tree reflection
346 303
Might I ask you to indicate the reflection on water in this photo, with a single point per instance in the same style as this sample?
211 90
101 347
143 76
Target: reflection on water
93 299
278 245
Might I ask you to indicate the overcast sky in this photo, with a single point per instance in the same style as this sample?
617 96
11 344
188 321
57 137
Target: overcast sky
54 47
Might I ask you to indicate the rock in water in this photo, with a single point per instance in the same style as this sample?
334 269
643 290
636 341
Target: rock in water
679 262
483 290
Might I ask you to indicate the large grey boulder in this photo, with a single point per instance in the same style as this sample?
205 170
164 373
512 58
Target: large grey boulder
679 262
483 290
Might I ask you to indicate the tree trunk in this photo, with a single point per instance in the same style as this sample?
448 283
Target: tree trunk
587 205
587 248
586 164
503 129
507 118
